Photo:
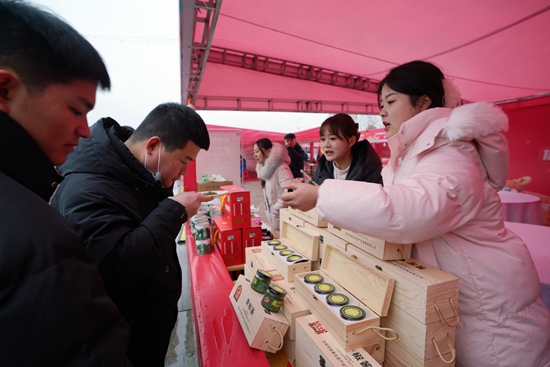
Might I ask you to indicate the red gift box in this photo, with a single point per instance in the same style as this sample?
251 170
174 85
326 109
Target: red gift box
229 242
235 208
252 236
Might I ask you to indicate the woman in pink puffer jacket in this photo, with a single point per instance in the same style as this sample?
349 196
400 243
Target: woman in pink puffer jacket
440 193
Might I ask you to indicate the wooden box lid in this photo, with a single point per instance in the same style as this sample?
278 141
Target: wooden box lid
369 285
299 237
310 216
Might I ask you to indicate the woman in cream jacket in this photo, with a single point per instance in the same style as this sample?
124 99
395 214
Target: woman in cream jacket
274 171
440 193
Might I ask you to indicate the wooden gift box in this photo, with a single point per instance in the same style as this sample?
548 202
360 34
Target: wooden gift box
326 237
212 185
292 307
263 329
289 347
379 248
420 339
418 287
315 346
398 356
287 269
310 216
296 235
366 287
254 261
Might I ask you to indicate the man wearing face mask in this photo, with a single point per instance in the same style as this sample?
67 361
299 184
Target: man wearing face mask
117 195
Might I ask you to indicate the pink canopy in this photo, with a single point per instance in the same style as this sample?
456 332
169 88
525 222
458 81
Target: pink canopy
327 56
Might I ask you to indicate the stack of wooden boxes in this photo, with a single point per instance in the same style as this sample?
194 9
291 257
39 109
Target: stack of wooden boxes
410 307
423 306
302 242
366 288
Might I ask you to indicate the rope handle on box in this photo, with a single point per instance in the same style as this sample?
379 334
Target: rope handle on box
402 254
223 199
214 237
450 342
374 348
280 346
441 315
376 330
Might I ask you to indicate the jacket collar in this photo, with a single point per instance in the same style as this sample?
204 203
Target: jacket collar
412 129
23 160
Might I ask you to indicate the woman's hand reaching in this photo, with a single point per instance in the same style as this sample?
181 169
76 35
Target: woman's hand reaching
302 197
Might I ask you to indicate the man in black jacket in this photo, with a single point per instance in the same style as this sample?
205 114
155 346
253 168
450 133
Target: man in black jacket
297 155
54 309
117 195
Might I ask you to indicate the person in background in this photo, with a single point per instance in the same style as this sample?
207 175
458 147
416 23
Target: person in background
272 168
243 166
440 194
345 157
117 195
297 155
54 309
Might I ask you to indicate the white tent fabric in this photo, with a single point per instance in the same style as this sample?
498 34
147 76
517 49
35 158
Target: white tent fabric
495 50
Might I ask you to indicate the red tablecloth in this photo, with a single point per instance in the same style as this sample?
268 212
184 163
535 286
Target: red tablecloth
220 337
521 208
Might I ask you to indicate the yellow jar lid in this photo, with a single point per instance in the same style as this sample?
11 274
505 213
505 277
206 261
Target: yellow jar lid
352 313
293 258
264 274
313 278
337 299
280 247
286 252
324 288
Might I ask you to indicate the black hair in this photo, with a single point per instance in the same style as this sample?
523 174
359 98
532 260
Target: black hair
341 125
264 144
175 125
43 49
290 136
415 79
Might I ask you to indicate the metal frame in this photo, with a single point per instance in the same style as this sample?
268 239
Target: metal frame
196 33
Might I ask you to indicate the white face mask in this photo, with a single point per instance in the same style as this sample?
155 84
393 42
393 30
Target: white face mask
156 176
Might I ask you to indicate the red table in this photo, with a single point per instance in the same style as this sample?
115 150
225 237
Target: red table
218 333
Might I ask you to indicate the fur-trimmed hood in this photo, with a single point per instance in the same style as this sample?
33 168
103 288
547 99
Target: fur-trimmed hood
485 124
481 122
277 156
475 120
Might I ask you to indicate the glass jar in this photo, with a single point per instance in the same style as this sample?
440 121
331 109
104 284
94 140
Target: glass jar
273 298
261 281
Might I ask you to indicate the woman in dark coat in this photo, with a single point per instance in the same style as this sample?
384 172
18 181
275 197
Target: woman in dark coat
344 157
